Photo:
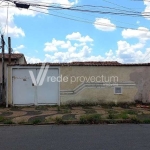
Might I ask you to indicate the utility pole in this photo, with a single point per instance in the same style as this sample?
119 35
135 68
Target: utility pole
9 49
3 69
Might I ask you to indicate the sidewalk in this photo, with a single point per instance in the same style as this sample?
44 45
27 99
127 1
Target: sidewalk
66 114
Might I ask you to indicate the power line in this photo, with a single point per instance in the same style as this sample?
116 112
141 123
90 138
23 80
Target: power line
117 5
87 21
84 10
113 11
94 16
60 8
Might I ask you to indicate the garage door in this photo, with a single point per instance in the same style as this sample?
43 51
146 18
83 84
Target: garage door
26 93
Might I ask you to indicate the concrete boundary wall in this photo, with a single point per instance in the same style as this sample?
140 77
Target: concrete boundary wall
79 84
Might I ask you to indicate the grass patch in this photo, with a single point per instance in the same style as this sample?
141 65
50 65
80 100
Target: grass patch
124 105
65 107
15 108
50 120
2 119
8 121
147 121
143 117
64 110
22 122
131 112
58 120
42 107
108 105
36 121
135 120
112 114
123 115
69 117
90 119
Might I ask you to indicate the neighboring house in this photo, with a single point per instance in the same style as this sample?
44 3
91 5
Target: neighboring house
78 82
17 58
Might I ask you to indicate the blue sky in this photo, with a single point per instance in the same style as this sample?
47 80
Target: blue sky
45 37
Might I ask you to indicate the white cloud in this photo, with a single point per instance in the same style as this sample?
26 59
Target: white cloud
143 34
66 45
68 51
76 36
70 55
64 3
15 31
18 48
79 45
72 49
104 24
33 59
125 53
16 52
128 52
49 47
55 44
147 9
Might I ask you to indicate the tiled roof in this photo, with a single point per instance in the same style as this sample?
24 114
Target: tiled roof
88 63
13 56
95 63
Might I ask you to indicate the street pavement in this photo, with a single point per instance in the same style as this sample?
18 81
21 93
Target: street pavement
75 137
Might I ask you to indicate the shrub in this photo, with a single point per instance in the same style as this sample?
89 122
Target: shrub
2 119
146 121
8 121
58 120
135 120
36 121
112 114
91 119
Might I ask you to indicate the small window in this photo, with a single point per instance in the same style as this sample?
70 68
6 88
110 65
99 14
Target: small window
118 90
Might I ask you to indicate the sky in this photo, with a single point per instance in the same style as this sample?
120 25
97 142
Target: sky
78 30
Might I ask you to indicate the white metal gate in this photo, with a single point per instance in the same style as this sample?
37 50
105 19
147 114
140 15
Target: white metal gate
26 93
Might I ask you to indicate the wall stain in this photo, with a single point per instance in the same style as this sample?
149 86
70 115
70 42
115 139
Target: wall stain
141 77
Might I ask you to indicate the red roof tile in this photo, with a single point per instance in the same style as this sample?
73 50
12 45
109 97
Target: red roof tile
13 56
88 63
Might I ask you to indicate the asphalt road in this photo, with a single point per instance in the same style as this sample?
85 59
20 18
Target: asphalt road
75 137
